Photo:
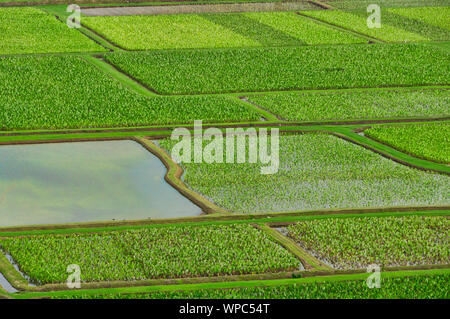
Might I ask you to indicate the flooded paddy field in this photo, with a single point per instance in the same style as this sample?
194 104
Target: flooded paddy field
85 181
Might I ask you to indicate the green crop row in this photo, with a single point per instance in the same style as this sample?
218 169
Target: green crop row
307 30
166 32
215 30
316 171
30 30
429 141
356 105
397 24
418 287
359 24
308 67
427 22
439 17
171 252
387 241
69 92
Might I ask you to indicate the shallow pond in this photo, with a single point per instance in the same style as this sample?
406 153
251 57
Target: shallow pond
85 181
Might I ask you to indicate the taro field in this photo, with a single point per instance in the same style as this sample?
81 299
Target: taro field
255 149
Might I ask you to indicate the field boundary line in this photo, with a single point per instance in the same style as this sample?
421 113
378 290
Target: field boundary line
267 114
114 47
113 3
87 34
390 153
308 261
124 79
166 129
173 177
217 219
322 5
233 284
398 87
148 88
361 35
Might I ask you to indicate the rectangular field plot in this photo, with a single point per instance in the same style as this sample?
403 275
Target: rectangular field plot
316 171
266 69
356 105
215 30
409 287
358 23
30 30
302 28
166 32
84 182
430 22
68 92
428 141
439 17
387 241
169 252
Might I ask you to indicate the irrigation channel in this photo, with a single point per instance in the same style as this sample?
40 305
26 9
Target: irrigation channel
6 285
85 181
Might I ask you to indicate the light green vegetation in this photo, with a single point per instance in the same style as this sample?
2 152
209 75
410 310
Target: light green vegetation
151 253
362 4
307 67
429 141
356 105
30 30
215 30
302 28
68 92
357 23
389 241
399 18
439 17
252 29
316 171
166 32
418 287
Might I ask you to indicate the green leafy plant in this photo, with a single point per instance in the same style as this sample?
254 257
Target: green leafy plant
170 252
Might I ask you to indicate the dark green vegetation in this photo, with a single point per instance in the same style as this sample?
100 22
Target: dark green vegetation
68 92
30 30
419 287
320 67
429 141
356 105
389 241
150 253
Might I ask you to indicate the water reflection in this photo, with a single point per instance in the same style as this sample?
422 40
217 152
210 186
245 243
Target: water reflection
85 181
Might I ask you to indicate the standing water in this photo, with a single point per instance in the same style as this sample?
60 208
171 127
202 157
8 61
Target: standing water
85 181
